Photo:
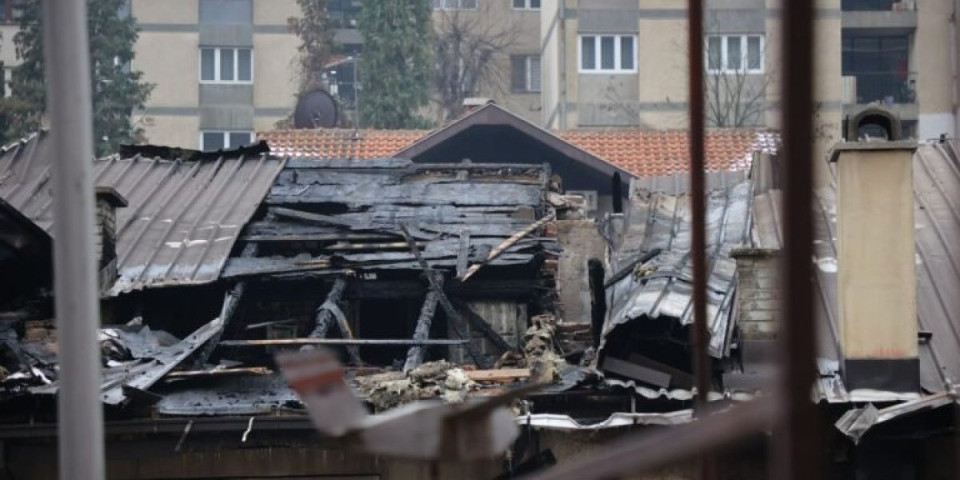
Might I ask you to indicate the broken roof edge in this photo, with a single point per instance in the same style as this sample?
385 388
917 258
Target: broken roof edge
494 114
186 154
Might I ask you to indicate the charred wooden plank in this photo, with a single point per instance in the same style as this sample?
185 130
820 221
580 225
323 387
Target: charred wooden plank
422 330
324 313
506 244
456 321
224 372
231 302
464 253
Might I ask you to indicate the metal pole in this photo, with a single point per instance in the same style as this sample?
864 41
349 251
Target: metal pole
80 414
797 449
699 333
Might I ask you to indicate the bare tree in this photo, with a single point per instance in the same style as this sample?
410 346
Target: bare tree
470 54
736 98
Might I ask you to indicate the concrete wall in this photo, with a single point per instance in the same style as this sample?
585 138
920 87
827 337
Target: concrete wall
580 242
932 60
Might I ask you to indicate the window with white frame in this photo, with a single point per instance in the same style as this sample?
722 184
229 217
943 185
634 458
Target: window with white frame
226 65
608 53
734 54
526 4
525 73
211 140
455 4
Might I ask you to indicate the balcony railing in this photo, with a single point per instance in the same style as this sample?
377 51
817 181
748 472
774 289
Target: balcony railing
878 5
885 87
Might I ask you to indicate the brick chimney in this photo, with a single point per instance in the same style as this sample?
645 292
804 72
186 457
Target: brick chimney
107 202
876 262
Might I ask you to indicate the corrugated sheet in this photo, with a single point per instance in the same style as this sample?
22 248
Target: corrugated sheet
661 287
936 170
183 217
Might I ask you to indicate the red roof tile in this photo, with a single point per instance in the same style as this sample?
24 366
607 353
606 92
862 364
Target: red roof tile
642 152
658 152
339 143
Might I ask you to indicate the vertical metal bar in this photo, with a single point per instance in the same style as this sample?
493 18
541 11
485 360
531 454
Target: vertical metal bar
797 449
80 413
697 204
699 335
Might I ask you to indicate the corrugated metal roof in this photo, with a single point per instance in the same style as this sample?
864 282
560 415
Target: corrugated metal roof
185 209
661 287
936 180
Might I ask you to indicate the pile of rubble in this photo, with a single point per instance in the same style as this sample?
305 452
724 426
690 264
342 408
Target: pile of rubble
439 379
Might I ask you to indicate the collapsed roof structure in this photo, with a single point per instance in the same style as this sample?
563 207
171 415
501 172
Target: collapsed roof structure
433 280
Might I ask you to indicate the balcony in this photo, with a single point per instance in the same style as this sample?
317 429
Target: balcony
878 5
893 89
879 17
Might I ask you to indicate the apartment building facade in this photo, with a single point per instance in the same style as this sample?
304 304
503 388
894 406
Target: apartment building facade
619 63
223 69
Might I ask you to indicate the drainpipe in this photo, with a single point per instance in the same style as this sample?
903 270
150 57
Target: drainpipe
79 410
562 32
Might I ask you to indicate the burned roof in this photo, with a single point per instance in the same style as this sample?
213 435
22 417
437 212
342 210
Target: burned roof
936 180
650 291
185 209
347 214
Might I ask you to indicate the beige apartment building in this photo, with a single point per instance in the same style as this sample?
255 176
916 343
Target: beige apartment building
223 69
619 63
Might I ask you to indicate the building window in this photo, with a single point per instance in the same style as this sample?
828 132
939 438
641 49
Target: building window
526 4
455 4
525 73
211 141
226 65
735 54
608 53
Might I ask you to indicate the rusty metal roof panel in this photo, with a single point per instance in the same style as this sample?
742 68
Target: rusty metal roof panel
185 210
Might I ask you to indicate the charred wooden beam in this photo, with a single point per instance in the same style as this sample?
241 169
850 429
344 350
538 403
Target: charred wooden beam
505 245
464 253
328 311
341 341
231 302
324 314
500 289
422 331
455 320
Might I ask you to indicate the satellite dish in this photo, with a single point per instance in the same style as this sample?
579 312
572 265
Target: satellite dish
316 109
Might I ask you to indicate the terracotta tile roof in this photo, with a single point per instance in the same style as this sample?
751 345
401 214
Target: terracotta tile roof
642 152
658 152
339 143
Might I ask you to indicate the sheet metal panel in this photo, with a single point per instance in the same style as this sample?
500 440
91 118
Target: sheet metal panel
936 170
183 217
663 286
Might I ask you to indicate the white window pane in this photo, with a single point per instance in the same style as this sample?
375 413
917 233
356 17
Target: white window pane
244 65
734 54
626 53
213 141
606 53
534 74
754 55
207 64
226 64
588 56
239 139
